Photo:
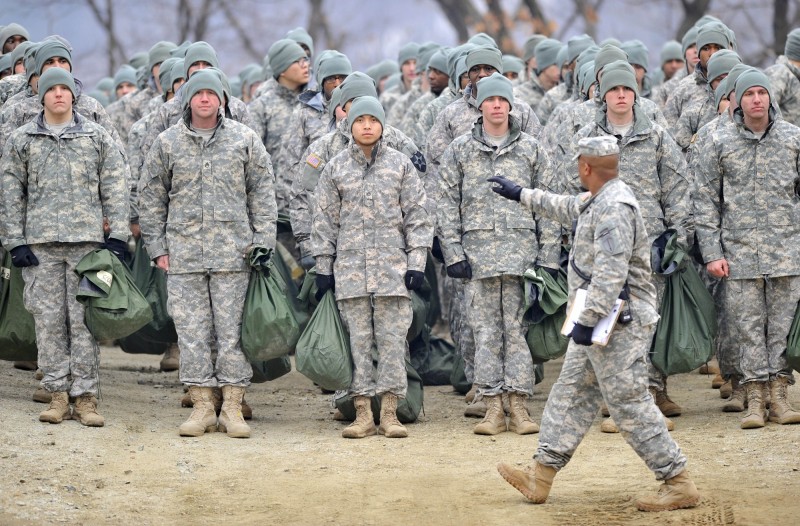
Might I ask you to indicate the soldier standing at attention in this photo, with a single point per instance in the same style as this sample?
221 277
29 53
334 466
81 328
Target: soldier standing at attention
370 236
60 174
611 246
206 200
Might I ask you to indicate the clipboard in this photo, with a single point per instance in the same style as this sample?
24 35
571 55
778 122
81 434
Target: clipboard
602 331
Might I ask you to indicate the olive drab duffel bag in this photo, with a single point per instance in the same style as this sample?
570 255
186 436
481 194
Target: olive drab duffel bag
17 330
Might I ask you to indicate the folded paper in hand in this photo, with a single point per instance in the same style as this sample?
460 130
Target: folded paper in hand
603 329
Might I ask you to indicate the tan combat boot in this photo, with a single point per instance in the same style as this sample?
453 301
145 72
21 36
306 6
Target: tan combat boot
58 410
363 425
609 426
756 412
534 481
86 411
737 401
665 403
42 395
520 422
726 390
674 494
26 366
339 416
779 410
717 382
476 409
390 426
470 396
203 418
171 360
495 420
231 419
710 367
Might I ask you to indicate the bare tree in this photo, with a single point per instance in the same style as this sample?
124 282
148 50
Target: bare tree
104 14
319 27
462 15
693 10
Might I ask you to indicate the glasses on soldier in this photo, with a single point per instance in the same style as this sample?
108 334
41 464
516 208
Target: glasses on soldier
302 61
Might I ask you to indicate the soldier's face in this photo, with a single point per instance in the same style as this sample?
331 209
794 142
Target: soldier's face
204 104
437 79
480 71
366 130
409 69
19 67
196 66
56 62
330 83
640 73
550 75
670 67
716 81
58 101
495 110
620 100
707 51
12 42
511 75
298 72
691 55
124 88
755 102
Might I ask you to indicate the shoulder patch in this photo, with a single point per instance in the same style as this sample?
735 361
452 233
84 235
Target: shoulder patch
313 160
419 161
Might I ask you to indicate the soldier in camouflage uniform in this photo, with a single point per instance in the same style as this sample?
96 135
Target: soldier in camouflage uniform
419 86
60 175
564 91
662 92
12 36
490 242
319 153
747 236
438 79
544 77
612 248
784 76
370 237
207 199
407 59
17 82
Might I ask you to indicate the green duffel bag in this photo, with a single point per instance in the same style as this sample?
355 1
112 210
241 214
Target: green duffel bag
685 333
17 330
419 308
269 328
408 408
458 377
115 307
545 312
270 370
159 334
323 351
793 341
435 361
308 291
300 312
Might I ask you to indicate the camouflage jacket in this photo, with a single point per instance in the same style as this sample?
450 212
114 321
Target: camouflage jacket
408 123
552 98
530 92
317 156
404 102
610 247
309 122
59 188
692 87
785 83
746 204
10 86
130 109
697 112
205 203
652 165
698 143
496 235
427 117
662 92
390 96
369 226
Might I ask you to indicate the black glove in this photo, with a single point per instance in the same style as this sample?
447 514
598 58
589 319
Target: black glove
22 256
307 262
462 269
324 284
117 247
581 334
414 279
506 188
436 250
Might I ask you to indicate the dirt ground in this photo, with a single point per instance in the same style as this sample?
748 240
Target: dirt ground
296 469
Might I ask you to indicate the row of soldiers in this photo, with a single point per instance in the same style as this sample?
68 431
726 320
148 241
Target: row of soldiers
190 194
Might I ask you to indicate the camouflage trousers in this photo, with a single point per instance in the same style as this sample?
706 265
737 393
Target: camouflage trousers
377 324
460 329
502 359
725 345
66 347
617 374
760 313
208 307
655 378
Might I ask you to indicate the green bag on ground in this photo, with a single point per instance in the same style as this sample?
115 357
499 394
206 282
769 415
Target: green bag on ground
159 334
299 311
545 311
17 330
269 328
323 351
266 371
115 307
435 361
408 408
685 333
458 377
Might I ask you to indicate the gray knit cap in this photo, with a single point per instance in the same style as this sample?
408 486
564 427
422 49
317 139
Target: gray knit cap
333 63
576 45
486 55
547 54
180 51
301 36
29 60
384 68
55 77
158 54
365 106
203 79
792 49
482 39
139 60
5 62
512 64
638 54
561 58
407 52
721 63
49 49
671 51
619 73
495 85
357 84
529 47
424 55
689 39
587 55
199 52
749 79
438 61
586 77
125 73
713 33
165 73
733 76
453 57
10 30
720 92
282 54
19 52
608 54
610 40
336 100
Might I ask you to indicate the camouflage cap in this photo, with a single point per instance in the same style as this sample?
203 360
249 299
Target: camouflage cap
597 146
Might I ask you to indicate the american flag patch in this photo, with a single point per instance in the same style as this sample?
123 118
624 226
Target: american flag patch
314 161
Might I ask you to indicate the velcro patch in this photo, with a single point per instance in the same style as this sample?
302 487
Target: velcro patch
314 161
419 162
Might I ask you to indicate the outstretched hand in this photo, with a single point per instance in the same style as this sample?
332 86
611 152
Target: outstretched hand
506 188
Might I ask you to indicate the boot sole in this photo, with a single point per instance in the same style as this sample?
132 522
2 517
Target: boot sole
777 420
223 429
526 492
365 435
533 431
209 429
752 425
689 503
488 433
